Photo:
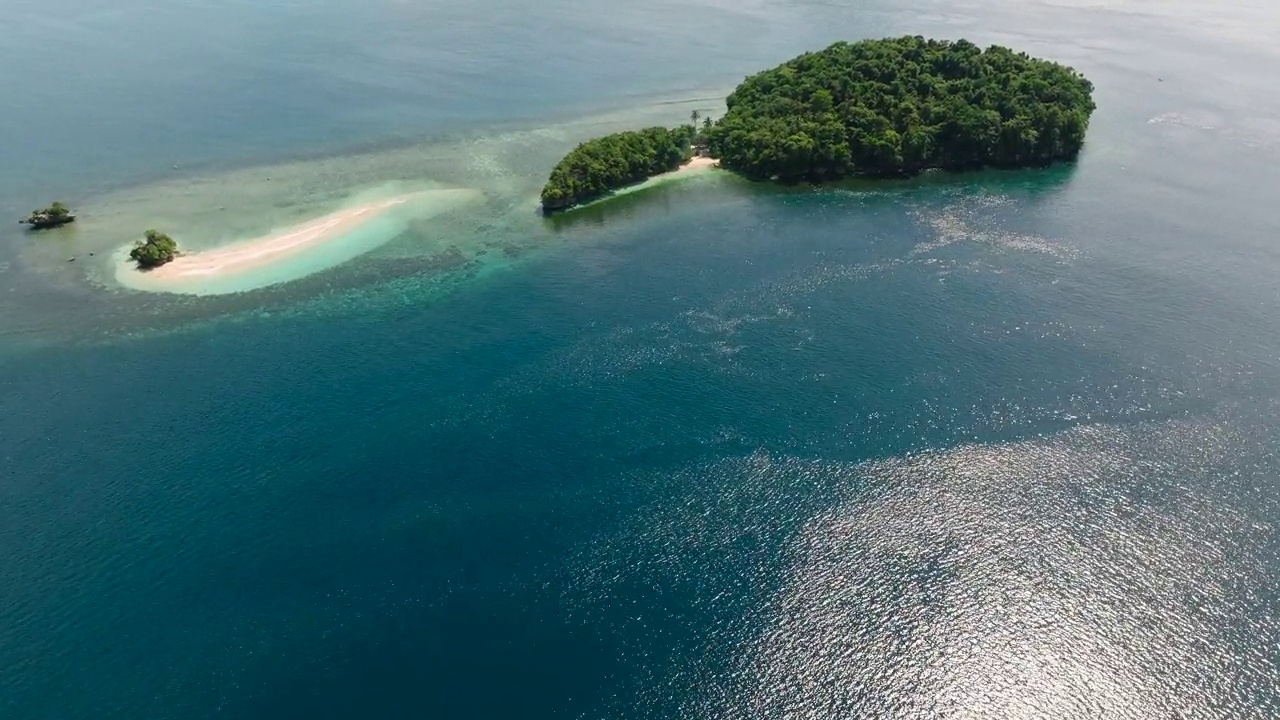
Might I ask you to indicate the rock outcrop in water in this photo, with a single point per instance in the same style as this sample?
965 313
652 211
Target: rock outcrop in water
52 216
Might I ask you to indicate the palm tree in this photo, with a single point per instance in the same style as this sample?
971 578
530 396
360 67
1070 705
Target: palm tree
694 117
706 123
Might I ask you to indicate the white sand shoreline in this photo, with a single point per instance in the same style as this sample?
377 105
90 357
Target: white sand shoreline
289 252
695 165
698 163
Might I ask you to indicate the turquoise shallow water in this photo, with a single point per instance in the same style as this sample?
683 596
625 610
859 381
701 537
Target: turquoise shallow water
1000 445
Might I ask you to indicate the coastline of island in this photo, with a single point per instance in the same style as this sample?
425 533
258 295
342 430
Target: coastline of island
894 107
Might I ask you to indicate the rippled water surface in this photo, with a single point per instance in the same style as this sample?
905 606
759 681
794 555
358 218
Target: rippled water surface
1001 445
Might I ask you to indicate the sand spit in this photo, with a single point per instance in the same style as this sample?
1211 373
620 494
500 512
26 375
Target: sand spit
250 254
292 252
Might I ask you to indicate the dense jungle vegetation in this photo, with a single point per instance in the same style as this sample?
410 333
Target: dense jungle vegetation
900 106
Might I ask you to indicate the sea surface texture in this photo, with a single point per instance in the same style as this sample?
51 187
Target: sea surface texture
999 445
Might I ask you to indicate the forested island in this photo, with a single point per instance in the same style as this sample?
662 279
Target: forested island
882 108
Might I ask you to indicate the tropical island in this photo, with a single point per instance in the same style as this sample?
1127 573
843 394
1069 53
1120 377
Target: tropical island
53 216
878 108
155 251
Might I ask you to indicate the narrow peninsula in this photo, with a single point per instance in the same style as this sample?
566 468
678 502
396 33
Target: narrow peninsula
879 108
598 167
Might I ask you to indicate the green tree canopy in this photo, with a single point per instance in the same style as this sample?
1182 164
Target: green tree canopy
597 167
900 106
155 251
55 214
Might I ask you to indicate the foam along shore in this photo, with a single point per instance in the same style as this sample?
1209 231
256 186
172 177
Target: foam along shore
290 253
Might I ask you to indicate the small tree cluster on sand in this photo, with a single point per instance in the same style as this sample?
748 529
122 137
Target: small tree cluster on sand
155 251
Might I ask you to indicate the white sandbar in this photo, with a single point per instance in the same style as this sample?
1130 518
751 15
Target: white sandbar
291 253
254 253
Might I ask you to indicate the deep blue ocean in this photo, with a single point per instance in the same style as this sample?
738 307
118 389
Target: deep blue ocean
996 445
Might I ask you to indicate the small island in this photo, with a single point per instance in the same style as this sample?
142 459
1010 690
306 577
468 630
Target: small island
877 108
53 216
155 251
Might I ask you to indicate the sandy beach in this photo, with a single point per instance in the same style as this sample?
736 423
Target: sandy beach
698 163
254 253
